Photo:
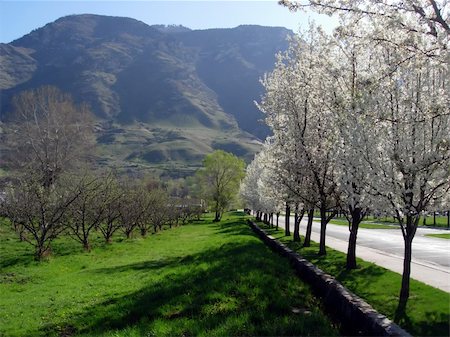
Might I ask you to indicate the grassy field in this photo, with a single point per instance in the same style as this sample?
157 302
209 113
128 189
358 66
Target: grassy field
441 236
428 309
202 279
385 222
366 225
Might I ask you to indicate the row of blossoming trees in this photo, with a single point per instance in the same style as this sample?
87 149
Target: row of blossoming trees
360 120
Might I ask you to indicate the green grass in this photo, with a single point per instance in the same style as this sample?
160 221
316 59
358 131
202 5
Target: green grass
441 221
387 222
205 279
363 224
442 236
428 309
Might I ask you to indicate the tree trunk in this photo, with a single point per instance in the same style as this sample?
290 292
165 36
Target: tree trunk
298 219
143 232
287 230
296 234
128 233
21 235
278 215
323 229
41 251
217 216
86 245
404 291
448 219
351 251
307 241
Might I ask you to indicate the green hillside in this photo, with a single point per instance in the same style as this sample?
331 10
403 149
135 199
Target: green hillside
163 96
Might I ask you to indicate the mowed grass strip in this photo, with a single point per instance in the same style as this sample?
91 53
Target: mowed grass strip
390 222
441 236
428 308
341 222
202 279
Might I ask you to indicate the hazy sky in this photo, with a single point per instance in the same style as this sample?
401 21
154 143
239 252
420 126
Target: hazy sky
18 18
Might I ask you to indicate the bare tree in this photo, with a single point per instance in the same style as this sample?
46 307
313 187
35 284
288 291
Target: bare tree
132 208
159 209
48 134
112 197
40 212
88 210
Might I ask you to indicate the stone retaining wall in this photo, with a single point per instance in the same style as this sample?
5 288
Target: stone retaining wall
353 312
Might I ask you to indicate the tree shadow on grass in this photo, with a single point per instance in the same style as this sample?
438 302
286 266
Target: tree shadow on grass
233 228
24 259
231 290
144 265
235 213
432 324
363 275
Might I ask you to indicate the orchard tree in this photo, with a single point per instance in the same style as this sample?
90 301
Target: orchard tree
219 179
112 199
39 211
48 133
159 208
133 206
90 209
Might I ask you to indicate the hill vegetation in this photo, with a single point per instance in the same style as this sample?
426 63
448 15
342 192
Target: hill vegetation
160 93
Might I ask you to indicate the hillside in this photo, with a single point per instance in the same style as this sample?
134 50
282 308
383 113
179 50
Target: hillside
160 93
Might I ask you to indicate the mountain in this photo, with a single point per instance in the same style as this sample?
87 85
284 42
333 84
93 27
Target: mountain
161 93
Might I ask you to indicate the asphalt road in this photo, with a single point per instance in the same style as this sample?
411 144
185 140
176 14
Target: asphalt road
384 247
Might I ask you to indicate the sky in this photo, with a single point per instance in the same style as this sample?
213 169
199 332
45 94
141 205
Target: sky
18 18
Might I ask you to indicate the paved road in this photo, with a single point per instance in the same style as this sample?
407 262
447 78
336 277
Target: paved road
384 247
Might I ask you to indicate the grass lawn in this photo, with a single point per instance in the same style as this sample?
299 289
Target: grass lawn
441 221
428 309
367 225
202 279
442 236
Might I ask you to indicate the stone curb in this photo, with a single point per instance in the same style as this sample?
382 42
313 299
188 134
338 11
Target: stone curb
348 308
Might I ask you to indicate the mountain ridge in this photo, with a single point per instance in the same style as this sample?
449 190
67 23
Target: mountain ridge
131 73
